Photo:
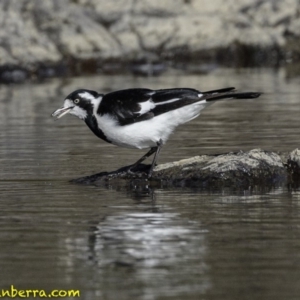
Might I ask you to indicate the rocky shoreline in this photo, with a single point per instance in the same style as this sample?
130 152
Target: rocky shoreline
42 39
236 170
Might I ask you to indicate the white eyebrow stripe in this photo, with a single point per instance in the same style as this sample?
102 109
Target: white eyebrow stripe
87 95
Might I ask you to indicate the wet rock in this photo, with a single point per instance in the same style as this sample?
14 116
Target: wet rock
241 169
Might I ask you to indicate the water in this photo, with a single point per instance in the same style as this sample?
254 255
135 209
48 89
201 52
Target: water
112 243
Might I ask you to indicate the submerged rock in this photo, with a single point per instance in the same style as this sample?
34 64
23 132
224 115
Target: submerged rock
241 169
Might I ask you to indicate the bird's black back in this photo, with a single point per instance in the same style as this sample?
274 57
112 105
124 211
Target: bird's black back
124 105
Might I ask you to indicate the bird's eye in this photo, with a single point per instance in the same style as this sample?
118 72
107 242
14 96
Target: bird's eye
76 101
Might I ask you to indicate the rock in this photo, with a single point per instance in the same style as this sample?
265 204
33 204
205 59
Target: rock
293 166
255 166
242 169
10 74
63 31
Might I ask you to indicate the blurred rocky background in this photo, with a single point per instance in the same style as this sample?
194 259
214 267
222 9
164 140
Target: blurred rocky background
41 39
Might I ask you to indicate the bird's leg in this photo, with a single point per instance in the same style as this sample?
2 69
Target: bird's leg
149 153
159 146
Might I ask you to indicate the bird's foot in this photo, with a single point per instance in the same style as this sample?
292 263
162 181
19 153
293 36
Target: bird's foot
132 171
140 170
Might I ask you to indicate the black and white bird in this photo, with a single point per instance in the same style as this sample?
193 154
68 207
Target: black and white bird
141 118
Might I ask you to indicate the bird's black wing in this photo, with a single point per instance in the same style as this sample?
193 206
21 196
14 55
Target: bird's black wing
124 105
171 99
135 105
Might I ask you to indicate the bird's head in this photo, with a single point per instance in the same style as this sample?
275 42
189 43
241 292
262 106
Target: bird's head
80 103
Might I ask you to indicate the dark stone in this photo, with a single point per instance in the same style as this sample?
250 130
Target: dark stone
12 74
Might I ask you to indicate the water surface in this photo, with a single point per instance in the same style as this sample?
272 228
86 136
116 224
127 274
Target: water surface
158 244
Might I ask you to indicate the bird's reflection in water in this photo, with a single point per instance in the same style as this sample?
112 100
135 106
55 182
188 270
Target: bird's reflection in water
160 250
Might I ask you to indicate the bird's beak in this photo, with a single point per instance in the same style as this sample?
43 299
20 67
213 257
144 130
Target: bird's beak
61 112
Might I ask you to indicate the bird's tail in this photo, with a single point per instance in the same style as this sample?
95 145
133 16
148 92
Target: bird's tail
229 93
